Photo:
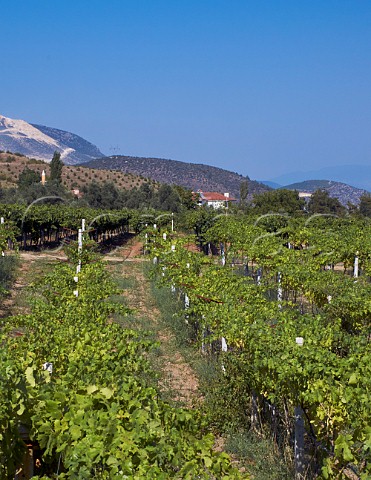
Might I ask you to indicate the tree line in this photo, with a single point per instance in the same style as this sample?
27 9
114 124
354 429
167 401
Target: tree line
173 198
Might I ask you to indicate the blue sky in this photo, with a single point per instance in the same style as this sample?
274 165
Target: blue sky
258 87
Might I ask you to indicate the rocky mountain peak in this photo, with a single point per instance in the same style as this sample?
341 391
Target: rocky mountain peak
41 142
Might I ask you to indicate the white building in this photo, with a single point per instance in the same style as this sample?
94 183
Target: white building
215 199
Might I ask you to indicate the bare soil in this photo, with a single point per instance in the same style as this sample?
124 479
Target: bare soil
31 264
177 376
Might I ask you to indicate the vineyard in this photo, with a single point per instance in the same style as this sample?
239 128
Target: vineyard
284 307
281 307
76 399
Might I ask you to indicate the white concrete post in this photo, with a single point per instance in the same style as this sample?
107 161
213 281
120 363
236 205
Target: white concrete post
2 223
186 306
279 291
356 266
299 434
299 443
224 349
258 278
79 249
79 241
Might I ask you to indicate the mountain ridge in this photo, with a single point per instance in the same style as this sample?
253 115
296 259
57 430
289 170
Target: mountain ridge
195 176
41 142
343 192
359 176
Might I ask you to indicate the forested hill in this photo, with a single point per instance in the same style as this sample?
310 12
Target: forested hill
190 175
343 192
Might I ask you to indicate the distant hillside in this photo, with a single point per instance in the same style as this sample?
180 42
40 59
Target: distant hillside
41 142
343 192
357 175
190 175
11 165
270 184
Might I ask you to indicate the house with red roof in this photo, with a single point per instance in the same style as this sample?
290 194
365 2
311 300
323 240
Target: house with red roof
215 199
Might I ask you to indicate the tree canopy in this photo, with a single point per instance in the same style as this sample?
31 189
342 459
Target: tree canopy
321 202
27 177
278 201
365 205
56 166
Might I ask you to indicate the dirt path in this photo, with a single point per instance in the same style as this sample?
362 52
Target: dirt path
177 376
31 265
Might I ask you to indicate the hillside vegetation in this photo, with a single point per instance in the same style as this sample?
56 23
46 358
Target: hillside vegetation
190 175
11 165
343 192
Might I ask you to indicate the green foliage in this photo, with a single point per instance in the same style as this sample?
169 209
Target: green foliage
244 190
94 416
330 375
186 174
104 195
56 166
27 178
278 201
165 198
8 266
88 254
263 461
186 197
42 219
365 205
321 202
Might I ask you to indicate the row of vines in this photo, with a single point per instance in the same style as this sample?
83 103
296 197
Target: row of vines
44 225
76 397
286 306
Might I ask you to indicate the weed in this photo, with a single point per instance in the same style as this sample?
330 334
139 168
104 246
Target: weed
259 455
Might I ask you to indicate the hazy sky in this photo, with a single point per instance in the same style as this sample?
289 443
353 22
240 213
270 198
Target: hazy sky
259 87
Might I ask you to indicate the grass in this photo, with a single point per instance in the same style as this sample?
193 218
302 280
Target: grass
8 271
259 455
18 275
8 266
